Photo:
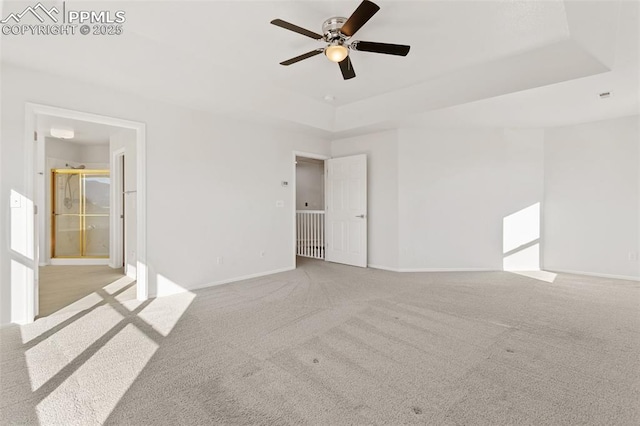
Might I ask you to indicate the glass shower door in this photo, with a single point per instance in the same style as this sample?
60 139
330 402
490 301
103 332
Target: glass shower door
80 214
96 214
66 220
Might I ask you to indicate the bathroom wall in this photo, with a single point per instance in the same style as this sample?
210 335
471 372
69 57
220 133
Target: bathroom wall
62 152
95 154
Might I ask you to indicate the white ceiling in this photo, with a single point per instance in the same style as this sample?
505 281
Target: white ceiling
223 56
85 133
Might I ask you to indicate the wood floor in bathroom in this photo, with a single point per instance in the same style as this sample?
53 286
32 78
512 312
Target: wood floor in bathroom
69 287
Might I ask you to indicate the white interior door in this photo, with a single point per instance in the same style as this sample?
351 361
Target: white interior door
346 210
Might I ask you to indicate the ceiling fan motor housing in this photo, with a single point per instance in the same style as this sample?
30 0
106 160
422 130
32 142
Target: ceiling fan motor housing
331 29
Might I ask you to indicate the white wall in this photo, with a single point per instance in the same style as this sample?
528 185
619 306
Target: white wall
62 150
563 198
438 198
94 154
77 153
309 184
456 189
382 186
592 197
212 184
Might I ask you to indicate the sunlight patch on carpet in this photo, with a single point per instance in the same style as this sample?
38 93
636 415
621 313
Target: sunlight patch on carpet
545 276
91 393
165 312
51 355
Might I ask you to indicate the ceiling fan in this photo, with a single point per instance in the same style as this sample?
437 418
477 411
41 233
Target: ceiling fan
337 32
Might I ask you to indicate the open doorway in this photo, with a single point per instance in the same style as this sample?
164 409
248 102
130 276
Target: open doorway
309 205
25 303
81 187
330 208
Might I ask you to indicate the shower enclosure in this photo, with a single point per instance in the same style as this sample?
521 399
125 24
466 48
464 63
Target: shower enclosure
80 213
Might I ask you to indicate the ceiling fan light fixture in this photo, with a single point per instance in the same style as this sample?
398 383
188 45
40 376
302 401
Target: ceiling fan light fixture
336 53
336 33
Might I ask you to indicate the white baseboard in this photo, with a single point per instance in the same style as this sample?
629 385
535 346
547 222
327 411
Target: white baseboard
246 277
392 269
384 268
234 279
595 274
388 268
77 262
447 270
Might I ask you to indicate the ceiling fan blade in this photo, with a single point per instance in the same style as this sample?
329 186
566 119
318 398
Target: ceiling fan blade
359 17
296 29
386 48
302 57
347 68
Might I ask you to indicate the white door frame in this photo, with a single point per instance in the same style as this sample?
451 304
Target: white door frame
293 187
32 110
116 243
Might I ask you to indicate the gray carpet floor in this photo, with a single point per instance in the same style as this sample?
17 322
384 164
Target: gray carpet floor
329 344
